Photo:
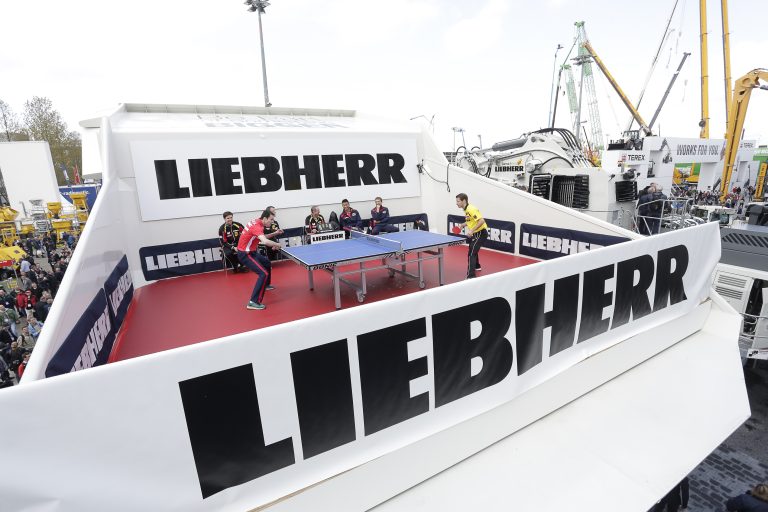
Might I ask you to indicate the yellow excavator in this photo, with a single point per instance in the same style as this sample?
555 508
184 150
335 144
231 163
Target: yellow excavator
742 90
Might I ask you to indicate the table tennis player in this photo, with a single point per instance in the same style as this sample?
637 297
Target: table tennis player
248 254
477 230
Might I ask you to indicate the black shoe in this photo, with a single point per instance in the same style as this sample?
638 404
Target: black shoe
269 287
478 268
255 305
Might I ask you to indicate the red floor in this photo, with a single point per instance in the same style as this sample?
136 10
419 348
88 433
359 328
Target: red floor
186 310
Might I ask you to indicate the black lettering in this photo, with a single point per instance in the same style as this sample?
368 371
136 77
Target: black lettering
360 169
168 180
669 284
224 176
385 373
331 171
292 172
225 430
323 387
261 174
594 301
200 177
532 320
454 348
390 168
631 298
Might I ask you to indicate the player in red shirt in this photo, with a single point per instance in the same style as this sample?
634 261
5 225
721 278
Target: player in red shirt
247 253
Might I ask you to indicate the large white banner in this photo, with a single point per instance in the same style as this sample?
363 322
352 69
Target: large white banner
680 150
188 178
233 424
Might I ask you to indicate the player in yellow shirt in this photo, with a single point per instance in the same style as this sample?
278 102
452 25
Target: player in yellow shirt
477 231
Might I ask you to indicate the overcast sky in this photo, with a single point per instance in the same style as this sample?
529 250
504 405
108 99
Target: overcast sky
483 65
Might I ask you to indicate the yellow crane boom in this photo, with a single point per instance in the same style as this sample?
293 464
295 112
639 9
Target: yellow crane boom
742 90
618 90
704 123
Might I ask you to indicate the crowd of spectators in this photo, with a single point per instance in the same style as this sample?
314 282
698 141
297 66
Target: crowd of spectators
26 295
737 198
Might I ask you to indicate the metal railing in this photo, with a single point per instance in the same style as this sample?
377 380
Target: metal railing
672 214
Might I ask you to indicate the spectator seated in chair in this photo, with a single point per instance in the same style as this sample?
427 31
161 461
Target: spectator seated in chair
313 222
229 234
380 219
350 218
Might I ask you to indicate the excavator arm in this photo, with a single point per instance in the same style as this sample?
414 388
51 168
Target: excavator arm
618 90
742 90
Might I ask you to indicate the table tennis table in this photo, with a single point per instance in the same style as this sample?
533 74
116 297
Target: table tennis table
391 249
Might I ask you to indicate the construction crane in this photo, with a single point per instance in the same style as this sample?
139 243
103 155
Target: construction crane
624 99
703 34
587 86
573 102
742 90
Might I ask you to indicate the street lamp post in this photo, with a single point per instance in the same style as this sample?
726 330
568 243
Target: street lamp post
259 6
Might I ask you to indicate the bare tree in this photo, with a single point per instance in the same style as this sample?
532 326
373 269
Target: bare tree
10 128
43 122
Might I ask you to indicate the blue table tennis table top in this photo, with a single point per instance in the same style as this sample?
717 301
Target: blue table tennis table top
356 249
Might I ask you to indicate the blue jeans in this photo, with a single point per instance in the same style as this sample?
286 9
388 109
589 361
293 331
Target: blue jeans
263 268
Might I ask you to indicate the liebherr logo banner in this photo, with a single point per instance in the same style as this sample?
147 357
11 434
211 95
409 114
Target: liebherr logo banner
180 259
546 243
192 178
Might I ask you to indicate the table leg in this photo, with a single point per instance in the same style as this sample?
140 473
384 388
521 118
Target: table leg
336 284
440 266
422 284
362 279
311 280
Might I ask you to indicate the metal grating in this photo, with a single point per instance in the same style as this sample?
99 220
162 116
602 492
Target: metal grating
581 191
746 239
626 191
731 281
727 292
541 185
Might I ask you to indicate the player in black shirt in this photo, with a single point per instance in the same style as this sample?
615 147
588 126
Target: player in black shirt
229 234
273 232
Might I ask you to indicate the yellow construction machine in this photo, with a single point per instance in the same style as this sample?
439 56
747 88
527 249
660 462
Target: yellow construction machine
742 90
8 232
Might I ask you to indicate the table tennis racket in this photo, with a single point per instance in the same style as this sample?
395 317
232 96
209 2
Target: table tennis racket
456 230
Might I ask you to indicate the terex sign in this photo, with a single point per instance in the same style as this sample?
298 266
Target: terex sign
189 178
225 421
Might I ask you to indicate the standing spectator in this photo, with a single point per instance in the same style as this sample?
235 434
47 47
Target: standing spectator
5 377
9 318
6 300
37 292
25 265
34 327
43 307
755 500
25 302
14 354
25 283
6 338
23 365
25 340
